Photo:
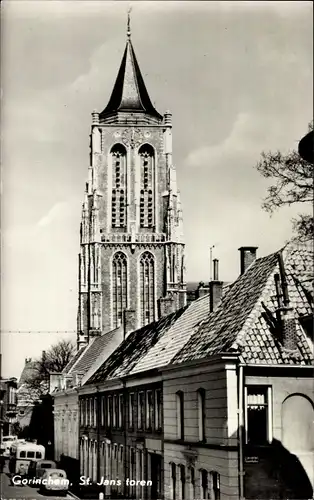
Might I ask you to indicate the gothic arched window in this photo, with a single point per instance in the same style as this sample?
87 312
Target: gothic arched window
118 198
119 287
147 282
147 183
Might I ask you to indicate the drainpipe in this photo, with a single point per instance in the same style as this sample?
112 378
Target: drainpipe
241 428
125 425
78 440
98 415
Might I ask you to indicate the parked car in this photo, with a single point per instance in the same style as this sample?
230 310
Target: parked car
37 469
54 481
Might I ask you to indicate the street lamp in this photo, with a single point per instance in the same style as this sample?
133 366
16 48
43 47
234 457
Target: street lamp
306 147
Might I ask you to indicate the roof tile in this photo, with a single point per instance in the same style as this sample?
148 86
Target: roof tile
238 323
133 349
93 350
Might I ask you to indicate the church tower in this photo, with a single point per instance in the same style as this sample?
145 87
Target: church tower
131 262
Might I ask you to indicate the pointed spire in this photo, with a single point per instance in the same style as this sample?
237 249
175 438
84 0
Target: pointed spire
129 92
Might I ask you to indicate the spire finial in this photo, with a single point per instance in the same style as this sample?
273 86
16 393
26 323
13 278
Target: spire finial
128 26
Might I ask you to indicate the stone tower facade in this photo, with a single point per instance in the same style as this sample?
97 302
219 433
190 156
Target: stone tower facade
131 262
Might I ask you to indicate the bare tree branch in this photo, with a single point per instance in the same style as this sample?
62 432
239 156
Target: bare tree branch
53 360
292 182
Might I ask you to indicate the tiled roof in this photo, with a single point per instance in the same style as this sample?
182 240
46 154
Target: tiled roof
133 349
93 350
28 372
239 324
75 358
175 337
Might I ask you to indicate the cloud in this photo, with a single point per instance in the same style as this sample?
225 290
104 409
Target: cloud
236 142
60 209
251 133
237 82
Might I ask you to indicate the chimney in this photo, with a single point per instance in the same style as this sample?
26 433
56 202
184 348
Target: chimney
201 290
247 256
215 269
129 322
289 330
166 306
215 288
284 311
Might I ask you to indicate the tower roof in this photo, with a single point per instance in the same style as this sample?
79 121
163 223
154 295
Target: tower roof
129 92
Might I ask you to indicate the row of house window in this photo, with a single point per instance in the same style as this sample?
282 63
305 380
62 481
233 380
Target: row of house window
144 410
183 483
120 287
119 186
113 458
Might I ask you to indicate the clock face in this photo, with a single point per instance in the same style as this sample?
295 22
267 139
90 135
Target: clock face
117 133
132 137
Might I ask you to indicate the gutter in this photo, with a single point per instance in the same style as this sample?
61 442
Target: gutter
256 366
210 360
240 432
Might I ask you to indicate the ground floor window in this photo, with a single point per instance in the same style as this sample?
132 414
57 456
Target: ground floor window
204 484
192 482
215 485
182 482
173 481
155 476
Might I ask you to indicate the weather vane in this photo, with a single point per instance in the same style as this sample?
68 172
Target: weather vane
129 18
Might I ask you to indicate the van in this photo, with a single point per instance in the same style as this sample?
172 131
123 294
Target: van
22 454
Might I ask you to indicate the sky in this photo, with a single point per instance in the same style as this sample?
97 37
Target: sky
238 78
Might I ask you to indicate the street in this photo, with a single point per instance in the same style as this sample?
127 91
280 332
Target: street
11 492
